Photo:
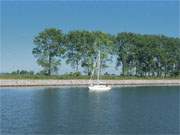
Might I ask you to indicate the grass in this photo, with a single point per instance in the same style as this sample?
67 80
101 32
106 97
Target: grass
66 77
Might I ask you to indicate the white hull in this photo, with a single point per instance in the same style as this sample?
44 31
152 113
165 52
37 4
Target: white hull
100 88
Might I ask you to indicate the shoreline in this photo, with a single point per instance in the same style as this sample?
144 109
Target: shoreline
31 83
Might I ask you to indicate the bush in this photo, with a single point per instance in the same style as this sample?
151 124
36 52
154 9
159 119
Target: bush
76 74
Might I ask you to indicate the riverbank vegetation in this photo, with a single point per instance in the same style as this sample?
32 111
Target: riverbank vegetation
71 76
139 55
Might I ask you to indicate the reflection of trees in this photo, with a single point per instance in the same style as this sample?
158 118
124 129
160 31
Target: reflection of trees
47 110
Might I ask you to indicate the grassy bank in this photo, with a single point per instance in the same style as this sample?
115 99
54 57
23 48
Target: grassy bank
64 77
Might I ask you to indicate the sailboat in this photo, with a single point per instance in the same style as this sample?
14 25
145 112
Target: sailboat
98 85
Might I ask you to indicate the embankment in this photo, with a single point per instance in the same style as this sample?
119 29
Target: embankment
25 83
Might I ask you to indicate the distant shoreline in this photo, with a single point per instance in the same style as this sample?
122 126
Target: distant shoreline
30 83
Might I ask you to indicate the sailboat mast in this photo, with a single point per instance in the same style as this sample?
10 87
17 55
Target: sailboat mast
98 68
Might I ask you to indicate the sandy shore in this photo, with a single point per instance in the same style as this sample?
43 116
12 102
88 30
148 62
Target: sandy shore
11 83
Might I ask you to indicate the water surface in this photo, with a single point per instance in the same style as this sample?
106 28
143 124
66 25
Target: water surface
73 110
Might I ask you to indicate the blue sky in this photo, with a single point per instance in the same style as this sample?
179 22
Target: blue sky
22 20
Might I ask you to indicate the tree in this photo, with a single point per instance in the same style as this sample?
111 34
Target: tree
89 53
140 55
75 45
95 41
49 47
125 51
149 55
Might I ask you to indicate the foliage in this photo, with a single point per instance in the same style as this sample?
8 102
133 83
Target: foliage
148 55
70 76
139 55
22 72
75 44
96 41
49 47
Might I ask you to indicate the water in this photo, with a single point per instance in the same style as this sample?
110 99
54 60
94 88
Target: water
128 110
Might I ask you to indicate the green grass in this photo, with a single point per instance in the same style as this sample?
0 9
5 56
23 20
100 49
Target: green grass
42 77
64 77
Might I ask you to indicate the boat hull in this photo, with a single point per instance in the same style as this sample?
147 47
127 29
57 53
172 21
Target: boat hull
99 88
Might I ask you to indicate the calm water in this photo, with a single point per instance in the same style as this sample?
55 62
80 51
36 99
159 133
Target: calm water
128 110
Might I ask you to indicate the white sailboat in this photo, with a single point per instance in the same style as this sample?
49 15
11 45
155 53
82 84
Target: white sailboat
98 85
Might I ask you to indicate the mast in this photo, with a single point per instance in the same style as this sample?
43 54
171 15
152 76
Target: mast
98 66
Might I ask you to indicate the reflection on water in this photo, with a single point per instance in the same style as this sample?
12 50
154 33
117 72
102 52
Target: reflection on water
128 110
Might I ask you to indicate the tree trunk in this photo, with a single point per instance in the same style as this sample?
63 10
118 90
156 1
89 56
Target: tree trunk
123 68
49 70
77 66
89 73
165 72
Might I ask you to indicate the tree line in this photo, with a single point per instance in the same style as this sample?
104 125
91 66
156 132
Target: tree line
138 54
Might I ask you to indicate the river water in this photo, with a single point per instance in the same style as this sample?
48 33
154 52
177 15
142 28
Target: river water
153 110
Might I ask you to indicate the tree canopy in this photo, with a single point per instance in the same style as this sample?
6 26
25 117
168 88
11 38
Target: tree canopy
138 54
49 47
148 55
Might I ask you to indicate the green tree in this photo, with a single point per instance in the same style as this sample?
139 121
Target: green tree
49 47
75 44
95 41
148 55
125 51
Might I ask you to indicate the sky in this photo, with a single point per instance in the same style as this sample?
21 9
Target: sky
22 20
